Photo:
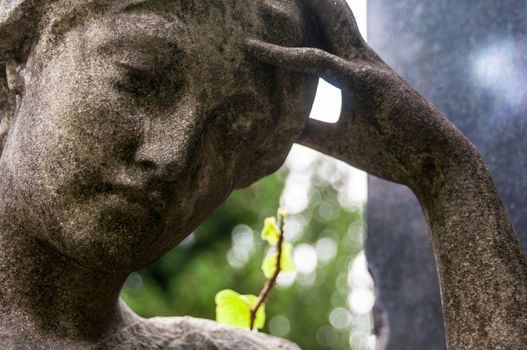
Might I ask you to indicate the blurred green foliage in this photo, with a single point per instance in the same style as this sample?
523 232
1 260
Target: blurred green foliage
185 281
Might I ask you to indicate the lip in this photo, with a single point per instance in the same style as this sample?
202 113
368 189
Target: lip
138 194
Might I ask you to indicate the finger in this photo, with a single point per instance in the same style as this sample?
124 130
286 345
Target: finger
339 26
354 146
318 135
322 136
334 69
333 141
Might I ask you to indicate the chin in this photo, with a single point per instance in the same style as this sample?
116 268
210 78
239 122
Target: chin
112 237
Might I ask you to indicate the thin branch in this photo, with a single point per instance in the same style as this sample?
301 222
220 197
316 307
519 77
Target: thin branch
268 287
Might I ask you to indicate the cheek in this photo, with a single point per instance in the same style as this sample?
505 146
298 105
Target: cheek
67 141
257 112
271 139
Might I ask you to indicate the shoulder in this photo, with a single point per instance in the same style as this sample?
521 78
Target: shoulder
188 333
194 333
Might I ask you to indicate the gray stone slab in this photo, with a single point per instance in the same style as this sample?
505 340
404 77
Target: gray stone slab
469 58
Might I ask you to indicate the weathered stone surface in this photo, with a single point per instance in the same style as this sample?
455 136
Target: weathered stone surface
167 333
389 130
192 333
133 121
468 58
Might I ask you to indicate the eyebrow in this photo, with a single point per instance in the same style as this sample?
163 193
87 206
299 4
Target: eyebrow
76 17
139 5
166 50
80 13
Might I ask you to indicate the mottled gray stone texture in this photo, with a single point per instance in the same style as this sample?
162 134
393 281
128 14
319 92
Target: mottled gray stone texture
125 123
469 59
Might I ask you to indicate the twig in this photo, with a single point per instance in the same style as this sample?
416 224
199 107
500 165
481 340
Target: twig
268 287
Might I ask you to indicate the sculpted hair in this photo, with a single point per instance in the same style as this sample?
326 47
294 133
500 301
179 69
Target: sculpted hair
17 18
17 21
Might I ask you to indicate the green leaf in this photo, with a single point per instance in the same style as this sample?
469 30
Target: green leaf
270 231
234 309
286 261
269 266
231 309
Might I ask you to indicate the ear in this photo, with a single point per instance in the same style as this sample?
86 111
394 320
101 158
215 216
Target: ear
7 106
16 17
15 78
17 21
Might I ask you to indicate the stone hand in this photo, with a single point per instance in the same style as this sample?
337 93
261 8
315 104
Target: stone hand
386 128
389 130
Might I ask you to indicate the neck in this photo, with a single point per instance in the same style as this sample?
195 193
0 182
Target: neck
46 296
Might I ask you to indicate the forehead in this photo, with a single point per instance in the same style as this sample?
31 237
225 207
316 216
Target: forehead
278 21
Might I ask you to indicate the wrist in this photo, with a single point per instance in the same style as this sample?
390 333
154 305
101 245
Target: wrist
479 259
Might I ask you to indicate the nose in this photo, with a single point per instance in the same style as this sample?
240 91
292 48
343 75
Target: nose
170 140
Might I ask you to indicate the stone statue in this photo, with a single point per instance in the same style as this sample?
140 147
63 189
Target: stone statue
123 124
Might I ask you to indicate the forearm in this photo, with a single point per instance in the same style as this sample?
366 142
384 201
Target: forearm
482 269
388 130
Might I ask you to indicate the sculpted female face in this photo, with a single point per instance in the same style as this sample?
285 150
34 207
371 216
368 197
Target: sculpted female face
137 118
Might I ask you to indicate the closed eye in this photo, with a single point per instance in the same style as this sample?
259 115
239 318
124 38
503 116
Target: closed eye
150 69
142 50
152 89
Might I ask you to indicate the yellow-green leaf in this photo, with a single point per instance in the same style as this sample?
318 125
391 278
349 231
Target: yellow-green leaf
269 266
233 309
286 261
270 231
